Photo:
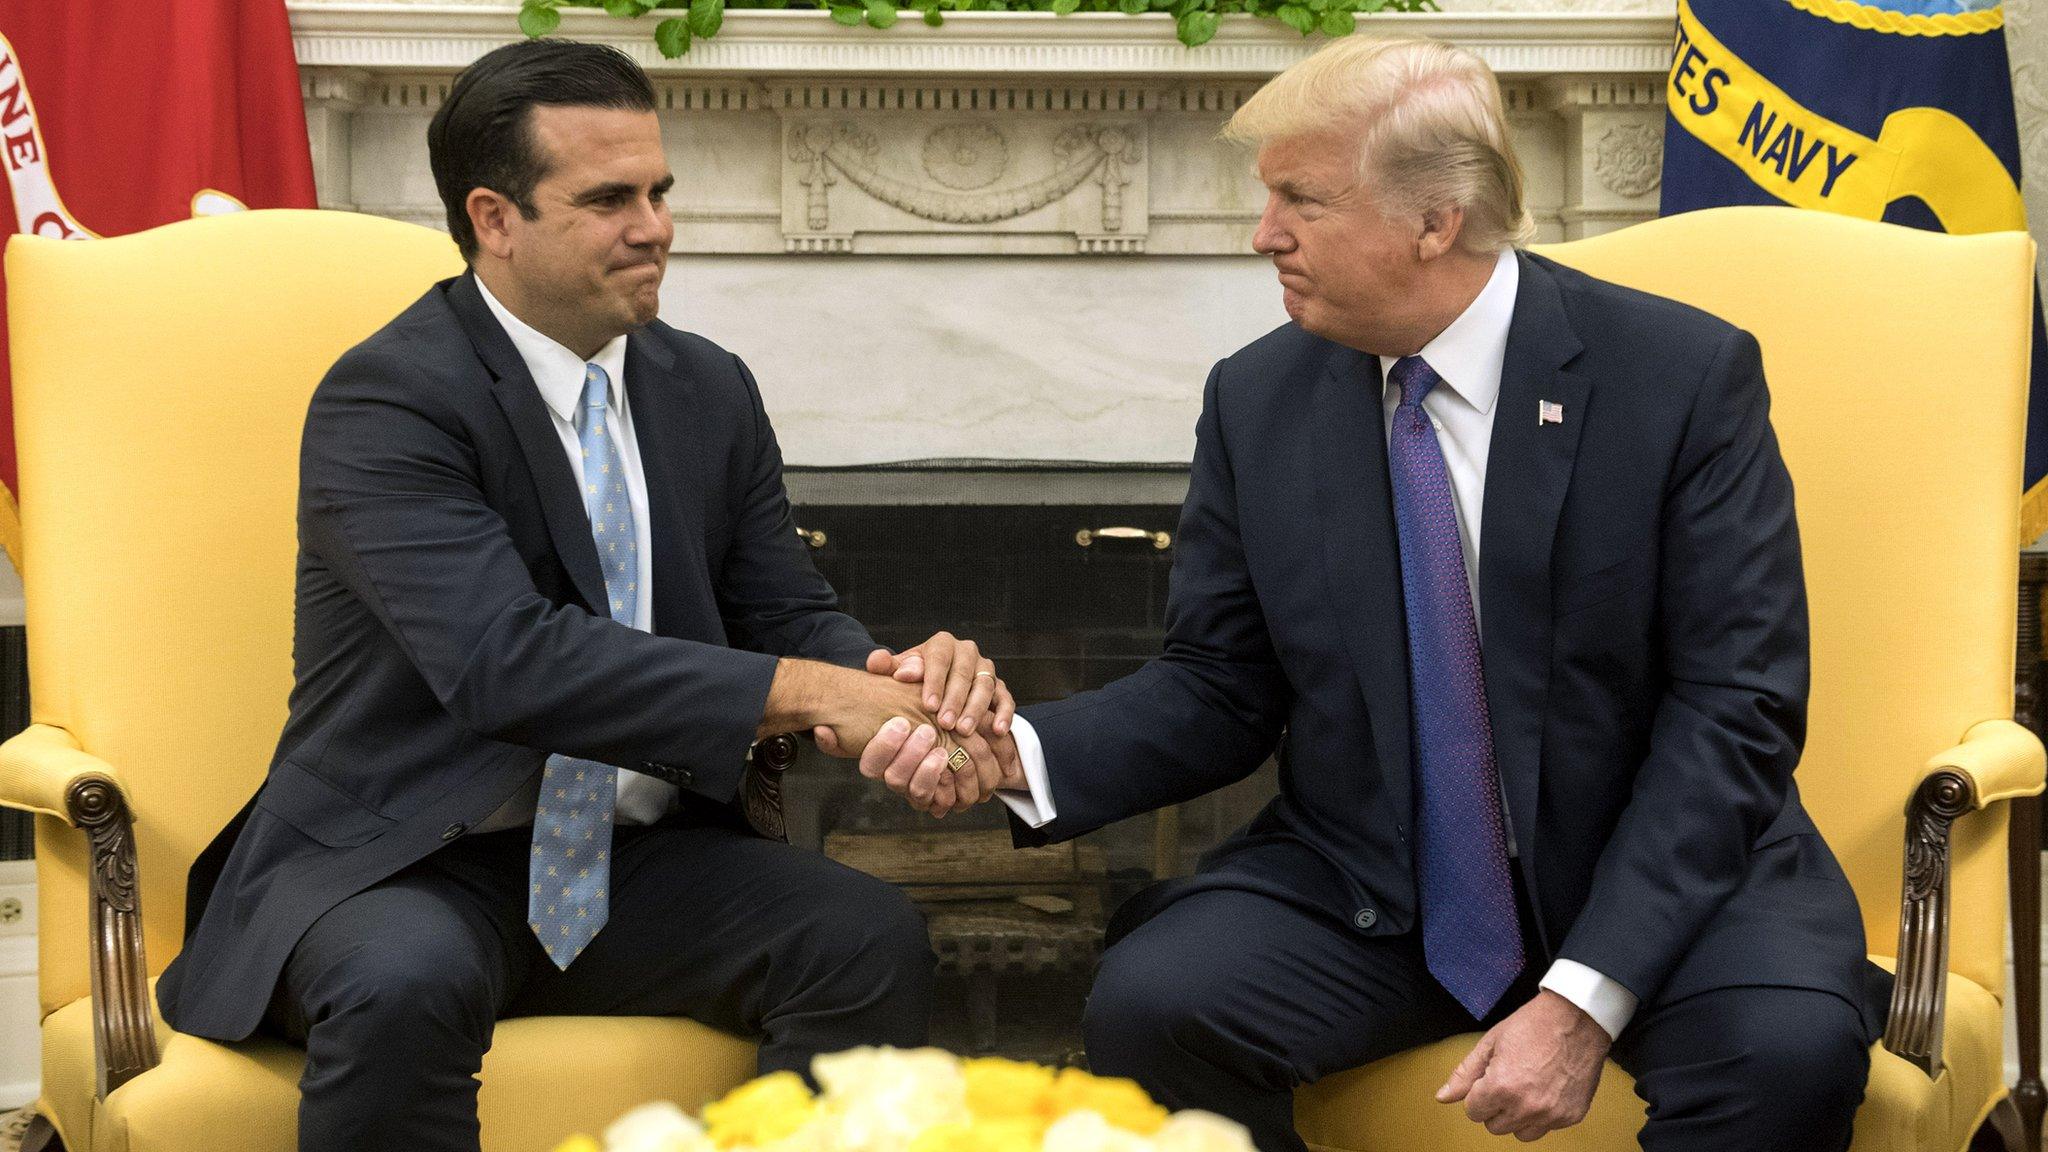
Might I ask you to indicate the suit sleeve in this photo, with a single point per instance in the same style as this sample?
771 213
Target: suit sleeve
1208 710
391 501
1728 730
771 596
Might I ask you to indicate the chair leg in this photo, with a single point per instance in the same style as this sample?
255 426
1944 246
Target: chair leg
2002 1131
2030 707
41 1137
2028 1096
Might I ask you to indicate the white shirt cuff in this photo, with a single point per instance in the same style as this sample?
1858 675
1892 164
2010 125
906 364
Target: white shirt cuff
1609 1004
1034 808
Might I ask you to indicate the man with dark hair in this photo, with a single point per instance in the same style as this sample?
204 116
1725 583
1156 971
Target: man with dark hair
548 595
482 136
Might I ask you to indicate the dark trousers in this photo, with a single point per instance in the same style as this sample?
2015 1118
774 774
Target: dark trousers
394 993
1228 1000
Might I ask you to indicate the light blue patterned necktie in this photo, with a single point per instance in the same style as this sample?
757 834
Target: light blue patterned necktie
1471 936
570 872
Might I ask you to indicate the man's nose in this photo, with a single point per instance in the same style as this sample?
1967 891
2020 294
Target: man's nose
651 225
1272 236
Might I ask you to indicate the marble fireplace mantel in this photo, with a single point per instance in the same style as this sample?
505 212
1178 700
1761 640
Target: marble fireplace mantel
1015 236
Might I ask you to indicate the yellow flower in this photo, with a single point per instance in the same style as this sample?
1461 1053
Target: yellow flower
922 1100
1002 1089
761 1111
1119 1101
1019 1134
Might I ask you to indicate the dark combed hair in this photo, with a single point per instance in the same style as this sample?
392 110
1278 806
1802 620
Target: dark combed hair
482 137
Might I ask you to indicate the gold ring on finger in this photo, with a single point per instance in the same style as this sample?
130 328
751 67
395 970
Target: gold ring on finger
957 760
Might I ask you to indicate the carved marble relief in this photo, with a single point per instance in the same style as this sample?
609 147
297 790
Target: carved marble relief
1018 140
1077 185
1629 158
1613 148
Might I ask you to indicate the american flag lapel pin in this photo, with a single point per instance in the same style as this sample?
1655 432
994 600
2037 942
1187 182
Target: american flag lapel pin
1549 412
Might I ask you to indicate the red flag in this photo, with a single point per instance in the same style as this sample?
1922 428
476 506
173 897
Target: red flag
122 115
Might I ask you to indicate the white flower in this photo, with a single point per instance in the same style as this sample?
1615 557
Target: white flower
1088 1132
879 1099
1194 1131
656 1127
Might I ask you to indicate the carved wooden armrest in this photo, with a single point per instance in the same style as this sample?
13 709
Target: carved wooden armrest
1998 760
761 786
44 770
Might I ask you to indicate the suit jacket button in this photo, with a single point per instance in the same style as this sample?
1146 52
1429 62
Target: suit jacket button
453 830
684 777
1366 918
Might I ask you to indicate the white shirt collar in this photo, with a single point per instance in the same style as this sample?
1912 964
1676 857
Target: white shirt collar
1469 354
556 371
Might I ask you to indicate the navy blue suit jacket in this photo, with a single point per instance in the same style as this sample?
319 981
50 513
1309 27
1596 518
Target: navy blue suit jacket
445 627
1644 636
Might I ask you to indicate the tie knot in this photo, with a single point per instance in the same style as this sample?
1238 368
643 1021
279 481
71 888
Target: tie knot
1414 377
596 386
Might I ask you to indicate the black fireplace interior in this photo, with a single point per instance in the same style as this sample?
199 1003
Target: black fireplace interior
1060 574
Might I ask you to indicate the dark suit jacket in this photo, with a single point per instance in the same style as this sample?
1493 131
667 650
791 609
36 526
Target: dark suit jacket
1643 620
445 628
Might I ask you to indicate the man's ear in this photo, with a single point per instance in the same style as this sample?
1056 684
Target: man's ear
1439 235
490 217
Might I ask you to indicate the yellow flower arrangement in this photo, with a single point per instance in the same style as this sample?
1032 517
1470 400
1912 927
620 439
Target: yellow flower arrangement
761 1111
922 1100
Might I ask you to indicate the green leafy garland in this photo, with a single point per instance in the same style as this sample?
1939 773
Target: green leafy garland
1195 21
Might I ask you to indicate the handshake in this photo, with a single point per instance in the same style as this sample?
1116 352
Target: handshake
932 722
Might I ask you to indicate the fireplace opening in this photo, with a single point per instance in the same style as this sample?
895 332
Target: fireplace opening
1060 573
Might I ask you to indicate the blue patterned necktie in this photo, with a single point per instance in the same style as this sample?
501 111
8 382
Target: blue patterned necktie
572 824
1471 938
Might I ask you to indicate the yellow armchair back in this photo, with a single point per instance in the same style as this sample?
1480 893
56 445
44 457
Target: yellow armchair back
160 381
1897 362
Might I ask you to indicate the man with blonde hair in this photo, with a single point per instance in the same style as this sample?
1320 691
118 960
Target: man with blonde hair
1502 560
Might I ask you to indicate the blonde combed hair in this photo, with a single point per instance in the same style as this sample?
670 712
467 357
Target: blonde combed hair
1428 122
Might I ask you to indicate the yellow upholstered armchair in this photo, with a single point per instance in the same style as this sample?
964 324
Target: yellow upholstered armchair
1898 364
160 381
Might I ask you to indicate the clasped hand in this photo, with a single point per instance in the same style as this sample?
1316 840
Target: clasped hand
929 700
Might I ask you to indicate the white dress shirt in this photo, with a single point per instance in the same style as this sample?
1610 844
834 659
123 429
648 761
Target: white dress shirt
1467 357
558 375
